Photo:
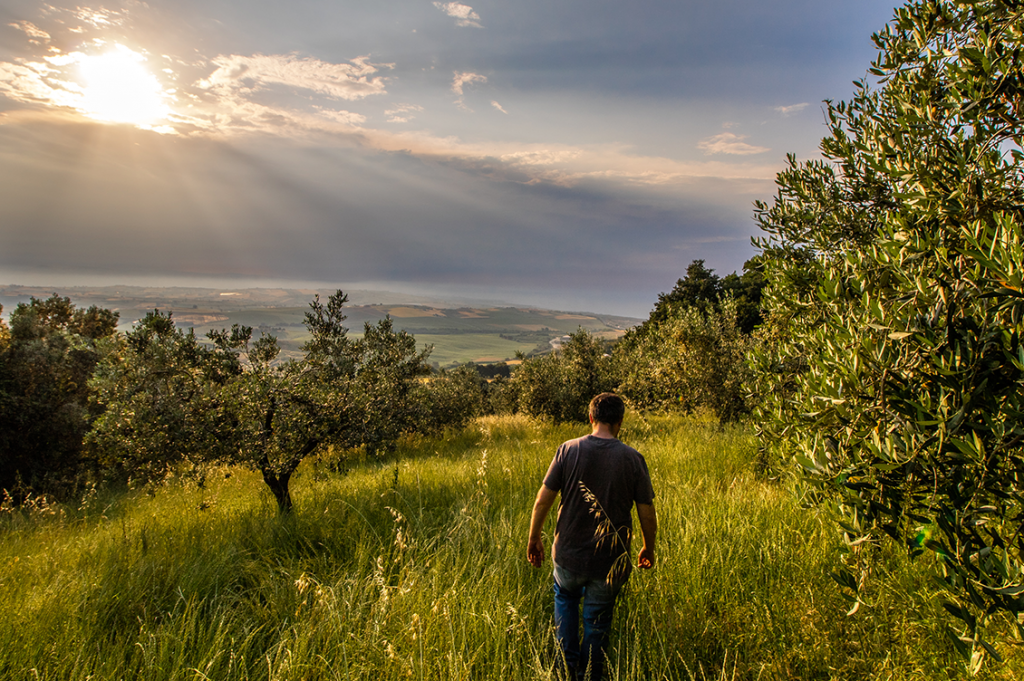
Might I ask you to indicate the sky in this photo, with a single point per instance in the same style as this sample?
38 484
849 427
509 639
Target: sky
568 154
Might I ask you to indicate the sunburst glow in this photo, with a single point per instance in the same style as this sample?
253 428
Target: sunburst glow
119 89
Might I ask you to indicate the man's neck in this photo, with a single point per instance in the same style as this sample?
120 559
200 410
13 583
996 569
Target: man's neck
604 430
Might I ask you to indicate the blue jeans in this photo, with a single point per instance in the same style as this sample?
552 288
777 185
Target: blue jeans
584 661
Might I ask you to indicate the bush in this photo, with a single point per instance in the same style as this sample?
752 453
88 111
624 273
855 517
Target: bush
691 360
450 399
45 362
561 384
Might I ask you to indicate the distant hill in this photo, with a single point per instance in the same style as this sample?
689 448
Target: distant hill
460 330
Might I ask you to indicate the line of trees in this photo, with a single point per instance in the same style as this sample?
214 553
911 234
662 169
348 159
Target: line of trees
78 399
688 356
81 401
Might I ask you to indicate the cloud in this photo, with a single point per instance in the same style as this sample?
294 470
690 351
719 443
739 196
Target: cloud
402 113
240 74
788 111
37 83
463 14
564 165
246 94
287 96
461 80
100 18
227 108
729 143
241 94
540 157
343 118
36 35
233 116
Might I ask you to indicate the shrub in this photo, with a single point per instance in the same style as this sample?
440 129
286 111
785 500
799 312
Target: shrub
560 385
45 362
693 359
450 399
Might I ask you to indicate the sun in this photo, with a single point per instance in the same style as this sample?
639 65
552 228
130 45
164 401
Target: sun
119 89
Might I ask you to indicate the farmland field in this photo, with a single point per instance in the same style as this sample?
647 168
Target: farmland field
459 332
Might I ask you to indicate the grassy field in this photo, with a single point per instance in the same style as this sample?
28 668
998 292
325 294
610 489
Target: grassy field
414 568
462 348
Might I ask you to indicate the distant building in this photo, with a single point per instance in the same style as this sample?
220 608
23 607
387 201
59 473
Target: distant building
557 343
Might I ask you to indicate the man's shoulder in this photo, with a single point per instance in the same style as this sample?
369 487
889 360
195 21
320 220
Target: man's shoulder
576 442
626 452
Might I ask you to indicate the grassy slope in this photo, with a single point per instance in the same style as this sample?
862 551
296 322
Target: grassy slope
416 569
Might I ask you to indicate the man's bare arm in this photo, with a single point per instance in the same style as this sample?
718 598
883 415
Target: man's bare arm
541 507
649 529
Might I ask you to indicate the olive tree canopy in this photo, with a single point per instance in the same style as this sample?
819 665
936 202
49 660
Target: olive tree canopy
892 368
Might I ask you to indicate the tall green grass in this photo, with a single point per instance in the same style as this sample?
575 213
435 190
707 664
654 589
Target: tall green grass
414 568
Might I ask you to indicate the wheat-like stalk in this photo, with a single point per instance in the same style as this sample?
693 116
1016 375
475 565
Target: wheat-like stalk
606 531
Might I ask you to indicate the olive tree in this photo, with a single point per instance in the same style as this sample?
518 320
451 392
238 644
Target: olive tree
344 393
279 414
892 368
159 389
384 383
171 399
449 399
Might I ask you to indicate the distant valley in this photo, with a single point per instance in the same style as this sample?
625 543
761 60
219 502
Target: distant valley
460 330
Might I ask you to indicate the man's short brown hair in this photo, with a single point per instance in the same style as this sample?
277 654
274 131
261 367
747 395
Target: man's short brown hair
607 408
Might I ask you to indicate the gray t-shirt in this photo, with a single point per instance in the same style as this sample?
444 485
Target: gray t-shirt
599 480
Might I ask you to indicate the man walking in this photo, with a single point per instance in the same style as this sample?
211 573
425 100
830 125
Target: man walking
599 479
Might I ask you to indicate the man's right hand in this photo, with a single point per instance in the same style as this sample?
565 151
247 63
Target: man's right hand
649 529
645 561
